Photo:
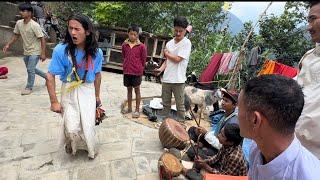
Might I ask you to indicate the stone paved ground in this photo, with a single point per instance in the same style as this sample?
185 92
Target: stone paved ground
28 139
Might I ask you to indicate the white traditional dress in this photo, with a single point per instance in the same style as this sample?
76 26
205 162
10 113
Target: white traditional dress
308 125
79 108
78 98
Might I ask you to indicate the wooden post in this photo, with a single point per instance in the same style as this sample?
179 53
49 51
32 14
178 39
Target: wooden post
233 79
155 44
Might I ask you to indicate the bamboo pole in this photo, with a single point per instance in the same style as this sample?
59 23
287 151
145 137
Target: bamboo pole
233 80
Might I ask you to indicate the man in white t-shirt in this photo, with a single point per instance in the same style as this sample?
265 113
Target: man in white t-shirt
177 52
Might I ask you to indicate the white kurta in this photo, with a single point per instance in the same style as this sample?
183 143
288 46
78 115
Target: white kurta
308 125
79 108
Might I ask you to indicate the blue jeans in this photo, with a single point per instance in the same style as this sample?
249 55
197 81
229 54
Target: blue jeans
31 63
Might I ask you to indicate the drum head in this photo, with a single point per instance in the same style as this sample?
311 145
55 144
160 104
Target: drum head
171 163
177 129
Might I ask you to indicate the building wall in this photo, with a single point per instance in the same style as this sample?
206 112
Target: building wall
8 13
5 35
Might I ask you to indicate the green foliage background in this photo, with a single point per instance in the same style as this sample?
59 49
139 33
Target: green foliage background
279 37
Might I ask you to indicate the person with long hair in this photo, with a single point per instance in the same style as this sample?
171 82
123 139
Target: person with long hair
78 62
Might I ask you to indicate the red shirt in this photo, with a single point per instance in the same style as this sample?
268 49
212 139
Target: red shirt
134 59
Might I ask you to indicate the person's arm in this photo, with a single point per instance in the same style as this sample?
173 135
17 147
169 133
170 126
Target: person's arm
172 57
162 68
213 159
204 164
51 87
97 83
231 165
97 71
43 49
13 39
144 56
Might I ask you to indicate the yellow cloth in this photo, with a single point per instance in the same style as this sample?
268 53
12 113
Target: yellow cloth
73 84
268 67
30 34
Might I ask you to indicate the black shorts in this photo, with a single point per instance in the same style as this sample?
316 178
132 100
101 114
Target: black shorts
131 80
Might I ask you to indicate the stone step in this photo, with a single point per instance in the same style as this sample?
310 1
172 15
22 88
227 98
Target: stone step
12 24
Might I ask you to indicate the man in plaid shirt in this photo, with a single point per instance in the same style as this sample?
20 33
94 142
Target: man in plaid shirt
228 161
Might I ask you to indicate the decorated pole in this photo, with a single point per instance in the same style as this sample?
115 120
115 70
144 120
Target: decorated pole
233 79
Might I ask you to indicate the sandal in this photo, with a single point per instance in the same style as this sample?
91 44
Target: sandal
135 115
125 111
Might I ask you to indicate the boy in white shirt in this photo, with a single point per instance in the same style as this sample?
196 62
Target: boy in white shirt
177 52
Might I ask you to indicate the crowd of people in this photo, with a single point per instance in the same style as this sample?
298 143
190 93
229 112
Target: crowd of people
279 115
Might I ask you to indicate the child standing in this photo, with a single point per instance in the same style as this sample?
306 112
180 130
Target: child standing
134 54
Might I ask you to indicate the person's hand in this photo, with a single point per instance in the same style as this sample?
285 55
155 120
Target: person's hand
157 71
98 101
199 162
200 145
56 107
5 48
43 57
201 130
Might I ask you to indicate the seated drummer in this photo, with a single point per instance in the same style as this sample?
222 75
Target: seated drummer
228 161
208 142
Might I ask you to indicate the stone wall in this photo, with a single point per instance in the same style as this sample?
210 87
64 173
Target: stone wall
5 35
8 13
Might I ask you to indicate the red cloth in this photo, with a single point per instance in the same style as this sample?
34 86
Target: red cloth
134 59
211 70
208 176
3 71
285 70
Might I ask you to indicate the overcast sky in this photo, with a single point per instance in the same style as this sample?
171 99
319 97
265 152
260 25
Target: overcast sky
250 11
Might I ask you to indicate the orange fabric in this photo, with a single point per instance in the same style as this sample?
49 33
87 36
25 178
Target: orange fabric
273 67
208 176
268 67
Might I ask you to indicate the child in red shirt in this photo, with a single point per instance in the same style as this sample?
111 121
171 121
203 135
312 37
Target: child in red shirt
134 54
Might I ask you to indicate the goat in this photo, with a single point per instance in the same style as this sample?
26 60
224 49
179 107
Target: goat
201 98
150 66
193 81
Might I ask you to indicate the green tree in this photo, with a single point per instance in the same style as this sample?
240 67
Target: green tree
283 36
157 18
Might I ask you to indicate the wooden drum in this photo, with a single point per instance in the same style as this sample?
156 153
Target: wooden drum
169 166
172 134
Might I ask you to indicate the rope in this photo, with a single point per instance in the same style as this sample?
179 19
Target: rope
208 82
232 81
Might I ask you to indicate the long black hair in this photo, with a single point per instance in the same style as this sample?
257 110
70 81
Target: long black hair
91 44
